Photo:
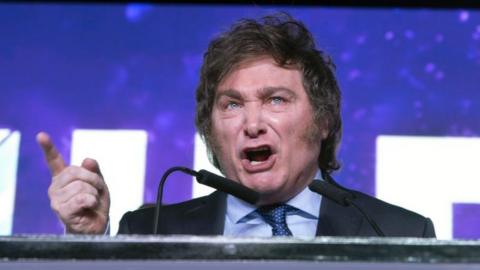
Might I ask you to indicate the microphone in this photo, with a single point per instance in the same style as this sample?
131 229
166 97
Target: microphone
210 179
330 191
228 186
342 197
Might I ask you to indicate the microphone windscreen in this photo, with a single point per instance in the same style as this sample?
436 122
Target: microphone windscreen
330 191
228 186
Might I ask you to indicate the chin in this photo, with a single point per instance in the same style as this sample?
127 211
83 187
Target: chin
272 197
263 185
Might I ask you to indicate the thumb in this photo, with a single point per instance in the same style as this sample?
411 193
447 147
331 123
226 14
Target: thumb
91 165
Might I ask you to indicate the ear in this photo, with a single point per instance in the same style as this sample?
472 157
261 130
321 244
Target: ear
324 133
324 129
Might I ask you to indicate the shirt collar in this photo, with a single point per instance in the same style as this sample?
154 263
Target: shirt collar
306 201
237 209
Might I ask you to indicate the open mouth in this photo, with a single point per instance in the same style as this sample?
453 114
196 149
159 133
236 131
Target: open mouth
258 155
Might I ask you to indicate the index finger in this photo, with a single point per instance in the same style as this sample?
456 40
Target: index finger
54 159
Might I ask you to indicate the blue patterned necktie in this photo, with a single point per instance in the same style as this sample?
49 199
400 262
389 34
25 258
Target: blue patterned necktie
275 216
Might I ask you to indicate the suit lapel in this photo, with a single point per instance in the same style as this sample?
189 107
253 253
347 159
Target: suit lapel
337 220
207 218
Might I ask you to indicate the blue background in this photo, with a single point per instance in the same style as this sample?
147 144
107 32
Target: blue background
99 66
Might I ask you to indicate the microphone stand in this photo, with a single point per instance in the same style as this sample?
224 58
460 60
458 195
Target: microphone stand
160 191
206 178
334 192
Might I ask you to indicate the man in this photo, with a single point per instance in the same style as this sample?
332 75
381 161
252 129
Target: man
268 108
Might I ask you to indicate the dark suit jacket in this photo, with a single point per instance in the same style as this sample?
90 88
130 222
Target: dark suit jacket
206 216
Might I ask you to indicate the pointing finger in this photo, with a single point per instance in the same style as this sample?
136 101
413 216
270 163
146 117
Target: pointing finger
54 159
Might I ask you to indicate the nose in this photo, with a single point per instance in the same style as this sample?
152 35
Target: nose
254 125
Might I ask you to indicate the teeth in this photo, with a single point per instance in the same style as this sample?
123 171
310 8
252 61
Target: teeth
253 162
263 148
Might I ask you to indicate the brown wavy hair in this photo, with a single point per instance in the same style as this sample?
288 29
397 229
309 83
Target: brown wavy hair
289 43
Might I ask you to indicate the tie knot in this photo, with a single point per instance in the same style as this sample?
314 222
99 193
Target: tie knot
276 217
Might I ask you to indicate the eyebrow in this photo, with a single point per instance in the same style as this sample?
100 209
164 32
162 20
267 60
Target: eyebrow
268 91
229 93
263 92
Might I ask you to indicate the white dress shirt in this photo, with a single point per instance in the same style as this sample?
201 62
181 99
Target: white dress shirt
241 219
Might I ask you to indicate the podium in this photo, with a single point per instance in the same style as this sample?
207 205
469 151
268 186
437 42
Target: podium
194 252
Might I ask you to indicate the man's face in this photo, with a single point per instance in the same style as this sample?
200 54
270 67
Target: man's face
263 131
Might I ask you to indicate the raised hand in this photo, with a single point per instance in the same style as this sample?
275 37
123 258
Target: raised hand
78 194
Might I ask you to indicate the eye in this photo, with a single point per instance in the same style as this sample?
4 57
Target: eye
232 105
277 100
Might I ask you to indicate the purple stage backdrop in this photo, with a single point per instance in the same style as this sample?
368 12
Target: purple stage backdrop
66 67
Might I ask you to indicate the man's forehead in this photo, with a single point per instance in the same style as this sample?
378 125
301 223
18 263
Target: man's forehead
248 62
260 75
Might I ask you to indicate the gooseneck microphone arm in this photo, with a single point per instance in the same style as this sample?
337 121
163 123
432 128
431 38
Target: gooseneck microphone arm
210 179
344 198
367 217
160 191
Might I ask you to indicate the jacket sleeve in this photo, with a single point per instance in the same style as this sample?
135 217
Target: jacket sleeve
124 227
429 230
